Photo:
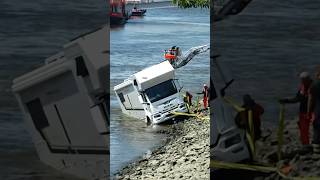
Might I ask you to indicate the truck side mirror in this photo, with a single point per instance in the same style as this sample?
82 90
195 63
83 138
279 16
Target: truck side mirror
180 88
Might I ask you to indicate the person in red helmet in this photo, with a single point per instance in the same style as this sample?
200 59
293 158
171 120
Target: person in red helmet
302 97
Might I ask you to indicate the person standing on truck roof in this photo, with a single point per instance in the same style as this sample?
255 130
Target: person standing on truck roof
242 118
314 110
302 97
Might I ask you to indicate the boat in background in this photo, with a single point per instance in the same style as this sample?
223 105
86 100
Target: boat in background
138 12
118 15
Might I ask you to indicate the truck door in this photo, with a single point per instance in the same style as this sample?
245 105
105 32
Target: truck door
129 98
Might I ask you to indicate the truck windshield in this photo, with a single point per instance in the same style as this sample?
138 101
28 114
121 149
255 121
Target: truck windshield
161 91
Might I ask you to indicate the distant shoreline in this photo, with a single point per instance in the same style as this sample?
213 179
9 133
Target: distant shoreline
159 4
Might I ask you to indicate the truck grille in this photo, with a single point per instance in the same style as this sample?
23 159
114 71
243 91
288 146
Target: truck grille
169 110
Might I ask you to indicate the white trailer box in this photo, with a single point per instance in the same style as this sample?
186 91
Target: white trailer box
151 94
65 103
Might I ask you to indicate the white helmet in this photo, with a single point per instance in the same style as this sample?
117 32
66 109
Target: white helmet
304 75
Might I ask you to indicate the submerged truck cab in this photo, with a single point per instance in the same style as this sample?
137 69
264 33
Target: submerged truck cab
227 141
151 94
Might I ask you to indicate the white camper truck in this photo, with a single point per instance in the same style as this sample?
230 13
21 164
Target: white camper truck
227 141
65 103
151 94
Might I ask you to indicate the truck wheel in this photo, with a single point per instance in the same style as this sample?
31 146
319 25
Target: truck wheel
148 121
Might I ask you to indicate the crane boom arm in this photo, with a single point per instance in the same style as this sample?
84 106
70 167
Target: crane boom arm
189 55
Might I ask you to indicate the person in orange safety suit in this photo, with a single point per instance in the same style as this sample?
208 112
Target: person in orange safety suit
205 92
302 97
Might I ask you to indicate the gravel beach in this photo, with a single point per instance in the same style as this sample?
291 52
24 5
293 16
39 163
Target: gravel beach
186 155
302 161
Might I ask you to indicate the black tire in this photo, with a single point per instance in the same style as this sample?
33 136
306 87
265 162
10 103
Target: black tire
148 121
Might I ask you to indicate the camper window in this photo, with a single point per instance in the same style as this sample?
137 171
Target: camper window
161 90
81 67
37 114
121 97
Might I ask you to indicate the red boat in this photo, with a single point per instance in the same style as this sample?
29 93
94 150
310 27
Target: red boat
118 15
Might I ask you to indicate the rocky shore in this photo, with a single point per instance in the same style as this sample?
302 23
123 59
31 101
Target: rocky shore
300 161
186 155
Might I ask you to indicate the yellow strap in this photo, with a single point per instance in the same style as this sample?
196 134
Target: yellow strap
250 136
237 107
228 165
184 114
251 144
198 116
257 168
205 118
188 107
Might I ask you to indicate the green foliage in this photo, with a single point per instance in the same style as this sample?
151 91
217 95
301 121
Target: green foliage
192 3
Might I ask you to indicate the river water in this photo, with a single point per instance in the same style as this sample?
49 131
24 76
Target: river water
139 44
266 47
